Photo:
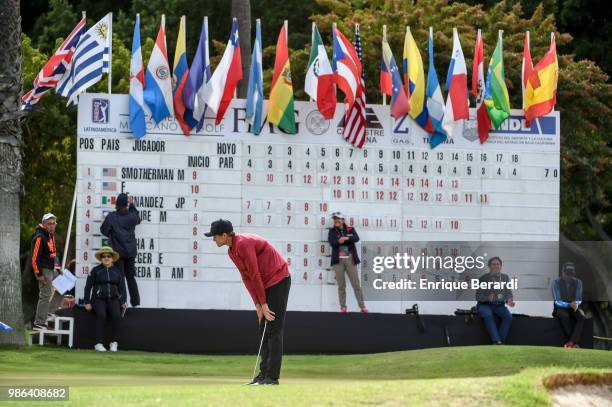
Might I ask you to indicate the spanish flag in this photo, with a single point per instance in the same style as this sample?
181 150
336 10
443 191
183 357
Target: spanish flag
541 86
280 110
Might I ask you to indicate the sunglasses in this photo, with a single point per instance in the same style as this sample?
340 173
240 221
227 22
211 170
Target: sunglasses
106 256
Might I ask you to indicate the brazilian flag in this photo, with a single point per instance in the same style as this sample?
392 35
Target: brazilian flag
496 97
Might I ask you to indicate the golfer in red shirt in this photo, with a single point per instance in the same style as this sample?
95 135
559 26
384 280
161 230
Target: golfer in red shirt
266 276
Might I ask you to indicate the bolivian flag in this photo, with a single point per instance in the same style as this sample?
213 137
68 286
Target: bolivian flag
541 86
497 100
280 110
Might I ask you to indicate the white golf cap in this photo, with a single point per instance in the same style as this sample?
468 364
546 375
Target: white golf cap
47 216
339 215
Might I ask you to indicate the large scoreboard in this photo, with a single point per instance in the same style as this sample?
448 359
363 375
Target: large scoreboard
285 187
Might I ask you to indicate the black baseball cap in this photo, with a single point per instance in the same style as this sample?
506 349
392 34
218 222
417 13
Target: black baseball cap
220 227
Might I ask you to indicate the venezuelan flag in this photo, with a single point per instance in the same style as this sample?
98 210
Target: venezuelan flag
414 81
280 110
497 100
179 78
541 87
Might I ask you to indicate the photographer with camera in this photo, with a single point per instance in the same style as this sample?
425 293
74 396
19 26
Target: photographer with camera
493 302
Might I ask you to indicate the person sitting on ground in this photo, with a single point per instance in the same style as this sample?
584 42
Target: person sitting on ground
45 264
567 297
493 302
344 259
105 294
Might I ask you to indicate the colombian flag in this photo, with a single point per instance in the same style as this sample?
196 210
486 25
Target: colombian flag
541 86
280 110
179 78
414 81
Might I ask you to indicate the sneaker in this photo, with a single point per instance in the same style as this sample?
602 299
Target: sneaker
99 347
113 346
258 380
575 346
568 344
269 381
343 310
39 327
364 310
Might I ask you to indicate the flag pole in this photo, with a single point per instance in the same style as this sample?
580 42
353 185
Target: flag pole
384 96
312 41
236 88
69 231
110 55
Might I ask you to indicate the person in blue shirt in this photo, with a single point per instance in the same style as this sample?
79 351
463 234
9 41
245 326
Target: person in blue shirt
567 297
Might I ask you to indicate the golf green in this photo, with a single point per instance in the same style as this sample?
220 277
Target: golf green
480 375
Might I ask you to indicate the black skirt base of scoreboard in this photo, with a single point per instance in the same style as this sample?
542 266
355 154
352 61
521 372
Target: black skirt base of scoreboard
235 332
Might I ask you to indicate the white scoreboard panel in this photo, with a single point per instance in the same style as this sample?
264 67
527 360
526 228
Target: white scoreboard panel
284 188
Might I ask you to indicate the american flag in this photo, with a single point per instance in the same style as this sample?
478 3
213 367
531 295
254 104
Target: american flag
55 68
109 172
355 120
109 186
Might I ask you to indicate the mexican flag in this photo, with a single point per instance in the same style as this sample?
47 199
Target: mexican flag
280 110
320 82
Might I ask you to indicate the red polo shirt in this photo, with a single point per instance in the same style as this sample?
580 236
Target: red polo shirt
260 265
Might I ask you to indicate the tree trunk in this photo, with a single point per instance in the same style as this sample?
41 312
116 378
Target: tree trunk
11 312
241 9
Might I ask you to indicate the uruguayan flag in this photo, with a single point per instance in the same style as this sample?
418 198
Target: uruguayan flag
254 104
90 60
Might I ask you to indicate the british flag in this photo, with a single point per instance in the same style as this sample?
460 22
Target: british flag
55 68
355 120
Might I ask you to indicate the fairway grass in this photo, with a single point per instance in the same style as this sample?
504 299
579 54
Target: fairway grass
457 376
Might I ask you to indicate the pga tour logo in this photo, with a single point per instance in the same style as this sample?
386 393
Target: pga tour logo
100 110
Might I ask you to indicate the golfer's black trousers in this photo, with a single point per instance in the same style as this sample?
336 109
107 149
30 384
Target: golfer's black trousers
272 347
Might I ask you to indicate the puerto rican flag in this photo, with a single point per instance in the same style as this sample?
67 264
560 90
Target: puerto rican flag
219 90
137 81
346 66
158 89
457 103
55 68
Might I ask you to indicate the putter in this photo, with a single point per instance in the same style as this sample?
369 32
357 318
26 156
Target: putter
259 352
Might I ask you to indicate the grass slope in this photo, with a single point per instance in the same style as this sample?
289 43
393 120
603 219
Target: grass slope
462 376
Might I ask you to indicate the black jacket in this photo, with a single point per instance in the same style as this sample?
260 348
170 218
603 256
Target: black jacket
499 296
43 250
333 237
105 283
120 228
